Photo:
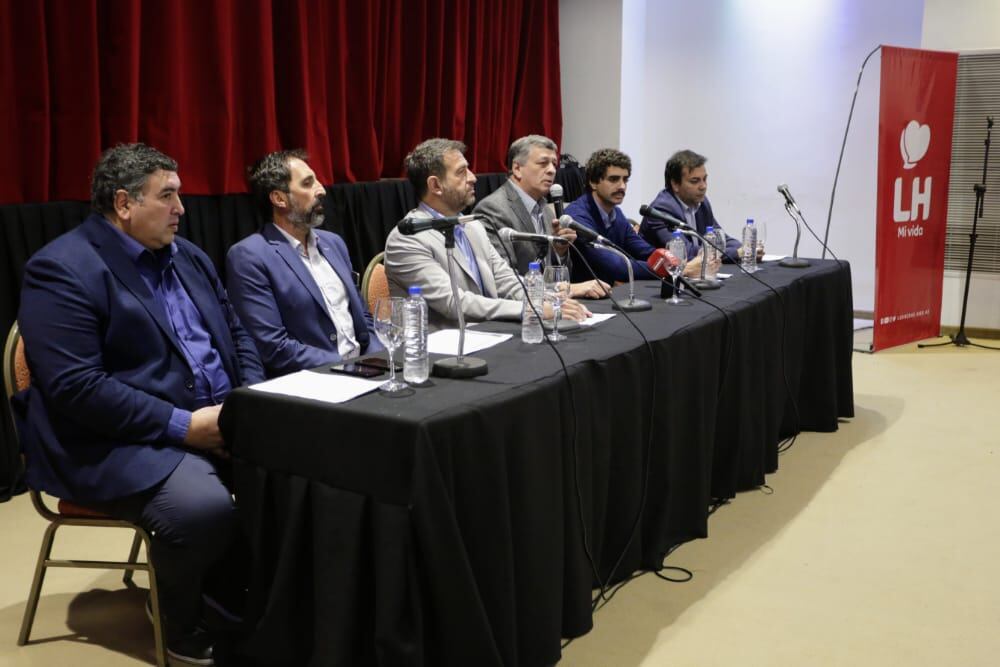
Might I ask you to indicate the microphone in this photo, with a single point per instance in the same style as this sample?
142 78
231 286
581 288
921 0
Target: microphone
647 211
582 231
660 261
507 234
414 224
789 199
556 195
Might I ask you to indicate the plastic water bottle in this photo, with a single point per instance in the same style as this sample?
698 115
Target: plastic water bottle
749 259
712 253
534 289
415 364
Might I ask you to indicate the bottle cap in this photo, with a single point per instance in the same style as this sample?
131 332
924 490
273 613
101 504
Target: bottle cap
749 221
414 290
677 234
709 229
534 266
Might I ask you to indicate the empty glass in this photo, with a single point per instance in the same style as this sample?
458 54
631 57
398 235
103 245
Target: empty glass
556 293
388 316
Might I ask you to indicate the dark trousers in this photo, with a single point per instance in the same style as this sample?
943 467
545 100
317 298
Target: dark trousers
192 523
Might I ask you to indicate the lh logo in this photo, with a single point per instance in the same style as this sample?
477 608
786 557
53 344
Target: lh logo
913 143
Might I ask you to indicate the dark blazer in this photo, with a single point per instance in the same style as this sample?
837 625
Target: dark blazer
281 306
658 234
107 369
504 208
607 266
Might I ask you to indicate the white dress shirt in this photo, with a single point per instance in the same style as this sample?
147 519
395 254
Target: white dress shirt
333 290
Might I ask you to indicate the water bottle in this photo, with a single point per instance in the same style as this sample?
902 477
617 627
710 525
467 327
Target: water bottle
534 289
415 365
749 259
712 253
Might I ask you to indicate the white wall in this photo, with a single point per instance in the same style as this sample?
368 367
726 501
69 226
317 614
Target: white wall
761 87
590 56
967 25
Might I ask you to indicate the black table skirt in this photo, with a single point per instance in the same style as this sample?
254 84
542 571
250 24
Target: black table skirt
467 522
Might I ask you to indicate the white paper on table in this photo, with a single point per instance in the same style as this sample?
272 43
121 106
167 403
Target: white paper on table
328 387
723 276
445 341
596 318
773 258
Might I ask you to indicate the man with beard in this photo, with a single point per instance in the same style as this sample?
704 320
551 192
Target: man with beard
292 283
487 286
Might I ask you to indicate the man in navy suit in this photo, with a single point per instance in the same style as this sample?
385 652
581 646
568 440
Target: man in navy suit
683 196
132 346
291 283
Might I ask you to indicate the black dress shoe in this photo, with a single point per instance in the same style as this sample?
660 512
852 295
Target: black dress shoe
193 648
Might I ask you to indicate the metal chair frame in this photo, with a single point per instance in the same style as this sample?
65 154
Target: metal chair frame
70 514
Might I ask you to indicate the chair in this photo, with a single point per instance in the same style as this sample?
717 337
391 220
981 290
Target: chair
374 285
16 377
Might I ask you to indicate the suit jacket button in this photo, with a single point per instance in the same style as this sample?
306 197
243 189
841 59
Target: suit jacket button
333 337
189 385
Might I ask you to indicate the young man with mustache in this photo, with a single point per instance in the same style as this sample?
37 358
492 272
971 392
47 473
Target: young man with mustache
292 283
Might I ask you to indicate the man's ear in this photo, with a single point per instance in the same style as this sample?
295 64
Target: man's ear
278 199
434 185
121 204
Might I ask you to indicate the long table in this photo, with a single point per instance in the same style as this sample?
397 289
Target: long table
467 522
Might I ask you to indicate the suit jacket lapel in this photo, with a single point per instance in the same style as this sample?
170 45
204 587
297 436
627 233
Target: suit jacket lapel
100 233
294 262
202 294
523 215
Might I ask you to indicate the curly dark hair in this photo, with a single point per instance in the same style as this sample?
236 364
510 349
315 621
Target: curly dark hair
125 167
678 162
600 160
271 173
427 160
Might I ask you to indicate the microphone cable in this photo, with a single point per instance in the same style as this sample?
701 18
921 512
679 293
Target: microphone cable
843 145
490 226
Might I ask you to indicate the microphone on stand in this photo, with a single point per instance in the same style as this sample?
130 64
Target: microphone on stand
790 206
415 224
509 235
672 223
587 234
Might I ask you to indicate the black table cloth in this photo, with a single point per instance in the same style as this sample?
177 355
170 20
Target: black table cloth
468 521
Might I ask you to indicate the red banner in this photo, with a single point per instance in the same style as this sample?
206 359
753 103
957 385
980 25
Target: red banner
916 110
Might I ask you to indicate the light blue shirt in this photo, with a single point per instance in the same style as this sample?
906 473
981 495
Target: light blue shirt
462 243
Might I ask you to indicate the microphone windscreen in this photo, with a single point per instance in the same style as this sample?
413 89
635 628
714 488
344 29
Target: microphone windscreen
556 191
660 261
565 222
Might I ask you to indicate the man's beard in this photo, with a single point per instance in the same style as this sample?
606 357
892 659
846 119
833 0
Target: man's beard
308 219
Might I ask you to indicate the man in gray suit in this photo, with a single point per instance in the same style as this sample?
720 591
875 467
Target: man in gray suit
520 204
487 286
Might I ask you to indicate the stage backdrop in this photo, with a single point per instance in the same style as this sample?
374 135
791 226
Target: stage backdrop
916 109
218 84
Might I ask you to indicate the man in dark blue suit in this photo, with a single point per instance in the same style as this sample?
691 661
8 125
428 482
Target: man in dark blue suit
132 346
291 283
683 196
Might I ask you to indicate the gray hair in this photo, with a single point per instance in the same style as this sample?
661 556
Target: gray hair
125 167
271 173
520 148
427 160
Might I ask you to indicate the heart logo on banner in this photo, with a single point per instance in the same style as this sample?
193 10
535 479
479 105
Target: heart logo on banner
913 143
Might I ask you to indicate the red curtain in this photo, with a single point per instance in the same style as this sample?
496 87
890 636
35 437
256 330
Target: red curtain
216 84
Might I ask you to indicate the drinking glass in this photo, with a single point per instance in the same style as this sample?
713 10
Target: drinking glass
678 249
556 293
761 238
388 316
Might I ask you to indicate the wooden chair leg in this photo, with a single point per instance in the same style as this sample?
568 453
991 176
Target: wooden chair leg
44 553
154 600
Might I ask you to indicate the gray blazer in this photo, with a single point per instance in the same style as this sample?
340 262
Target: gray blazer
504 207
421 259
